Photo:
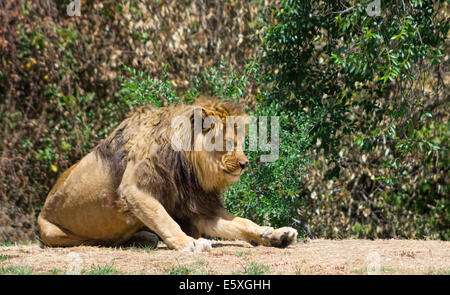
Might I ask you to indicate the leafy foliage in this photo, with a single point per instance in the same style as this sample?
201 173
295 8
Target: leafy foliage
142 89
374 88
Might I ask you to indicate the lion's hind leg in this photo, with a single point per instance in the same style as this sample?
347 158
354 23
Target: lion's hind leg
54 236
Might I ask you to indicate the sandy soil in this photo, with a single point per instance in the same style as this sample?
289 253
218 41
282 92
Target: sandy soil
232 257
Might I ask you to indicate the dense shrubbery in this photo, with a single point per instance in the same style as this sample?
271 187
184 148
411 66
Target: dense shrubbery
362 102
374 88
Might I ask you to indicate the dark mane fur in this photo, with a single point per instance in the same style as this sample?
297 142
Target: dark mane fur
112 151
175 185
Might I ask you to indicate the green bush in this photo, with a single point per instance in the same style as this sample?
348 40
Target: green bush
374 90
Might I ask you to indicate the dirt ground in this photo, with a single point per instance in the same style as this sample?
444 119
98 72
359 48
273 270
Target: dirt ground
235 257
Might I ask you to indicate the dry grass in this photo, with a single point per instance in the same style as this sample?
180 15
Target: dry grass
232 257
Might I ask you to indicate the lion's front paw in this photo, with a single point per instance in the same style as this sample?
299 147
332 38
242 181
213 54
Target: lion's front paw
199 245
280 237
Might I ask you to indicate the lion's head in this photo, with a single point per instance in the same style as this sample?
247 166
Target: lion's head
215 142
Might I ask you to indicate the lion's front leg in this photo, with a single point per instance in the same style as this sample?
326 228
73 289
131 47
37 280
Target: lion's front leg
151 212
226 225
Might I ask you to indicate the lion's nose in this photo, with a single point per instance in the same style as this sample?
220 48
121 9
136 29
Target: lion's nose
243 164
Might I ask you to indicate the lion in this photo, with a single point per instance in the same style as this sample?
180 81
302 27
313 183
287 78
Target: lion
134 187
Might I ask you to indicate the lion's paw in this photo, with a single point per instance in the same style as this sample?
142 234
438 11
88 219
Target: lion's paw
199 245
280 237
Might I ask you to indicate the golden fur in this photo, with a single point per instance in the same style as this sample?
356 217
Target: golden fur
134 181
